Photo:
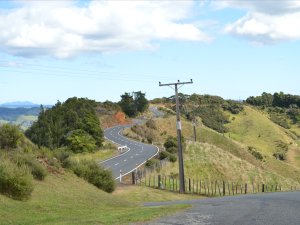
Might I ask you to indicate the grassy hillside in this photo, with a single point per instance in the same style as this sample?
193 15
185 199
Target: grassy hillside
253 128
208 162
66 199
227 157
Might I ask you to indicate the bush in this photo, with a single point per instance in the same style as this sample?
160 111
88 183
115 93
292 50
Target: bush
170 142
172 150
37 170
10 136
151 124
63 156
94 174
80 141
280 121
163 155
152 163
255 153
172 158
15 182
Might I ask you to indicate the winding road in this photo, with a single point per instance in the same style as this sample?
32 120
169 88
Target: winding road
137 154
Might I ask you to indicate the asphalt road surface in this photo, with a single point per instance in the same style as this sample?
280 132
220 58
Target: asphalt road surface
137 154
261 209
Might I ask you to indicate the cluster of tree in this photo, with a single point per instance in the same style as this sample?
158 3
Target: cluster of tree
276 100
133 104
211 110
213 117
280 106
73 124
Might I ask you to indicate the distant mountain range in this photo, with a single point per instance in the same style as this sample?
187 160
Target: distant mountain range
22 104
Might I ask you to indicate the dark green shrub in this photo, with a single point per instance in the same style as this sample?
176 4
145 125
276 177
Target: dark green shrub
233 106
80 141
15 182
38 171
63 156
170 142
94 174
163 155
10 136
255 153
280 155
172 158
172 150
152 163
281 121
213 117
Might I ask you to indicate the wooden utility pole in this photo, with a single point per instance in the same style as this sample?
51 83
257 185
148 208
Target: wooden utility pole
179 136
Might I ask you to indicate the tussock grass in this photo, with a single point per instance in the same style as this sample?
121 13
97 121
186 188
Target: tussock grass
207 162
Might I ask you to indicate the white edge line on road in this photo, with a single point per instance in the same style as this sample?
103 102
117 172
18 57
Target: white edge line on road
116 155
128 151
140 164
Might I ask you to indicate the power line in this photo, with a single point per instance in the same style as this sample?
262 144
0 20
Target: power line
179 137
63 70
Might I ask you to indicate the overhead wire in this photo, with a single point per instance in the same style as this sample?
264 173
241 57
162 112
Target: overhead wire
79 73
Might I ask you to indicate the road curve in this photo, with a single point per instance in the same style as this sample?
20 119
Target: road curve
281 208
137 154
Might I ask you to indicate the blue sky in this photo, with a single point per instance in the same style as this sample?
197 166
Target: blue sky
52 50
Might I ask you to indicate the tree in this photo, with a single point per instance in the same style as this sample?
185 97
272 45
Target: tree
53 125
127 104
10 136
80 141
140 101
133 104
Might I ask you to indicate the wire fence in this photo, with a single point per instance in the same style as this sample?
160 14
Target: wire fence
206 187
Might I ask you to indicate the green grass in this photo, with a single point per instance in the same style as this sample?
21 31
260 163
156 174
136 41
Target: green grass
240 164
253 128
98 155
66 199
141 194
203 161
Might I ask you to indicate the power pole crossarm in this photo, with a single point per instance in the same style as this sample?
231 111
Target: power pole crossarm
179 136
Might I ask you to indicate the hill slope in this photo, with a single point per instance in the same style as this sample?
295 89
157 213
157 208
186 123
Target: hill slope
66 199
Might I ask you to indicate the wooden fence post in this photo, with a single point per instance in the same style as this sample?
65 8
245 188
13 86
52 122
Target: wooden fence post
263 188
133 177
246 186
200 187
159 181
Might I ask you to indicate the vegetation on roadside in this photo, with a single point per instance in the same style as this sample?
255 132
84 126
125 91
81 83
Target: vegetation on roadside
73 124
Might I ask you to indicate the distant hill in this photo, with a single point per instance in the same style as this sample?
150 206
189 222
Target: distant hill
22 104
18 104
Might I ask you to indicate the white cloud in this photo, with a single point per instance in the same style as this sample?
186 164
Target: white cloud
63 29
266 21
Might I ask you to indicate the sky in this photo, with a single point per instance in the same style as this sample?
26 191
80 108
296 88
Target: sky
53 50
